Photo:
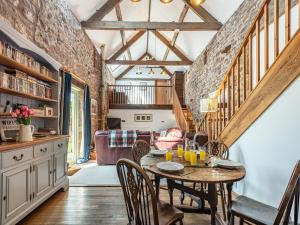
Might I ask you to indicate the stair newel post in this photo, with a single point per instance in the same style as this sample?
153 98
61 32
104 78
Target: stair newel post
209 126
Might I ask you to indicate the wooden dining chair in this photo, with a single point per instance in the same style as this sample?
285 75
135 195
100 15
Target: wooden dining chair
249 210
141 204
140 149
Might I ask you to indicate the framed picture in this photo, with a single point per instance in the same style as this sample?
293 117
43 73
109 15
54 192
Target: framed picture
143 117
94 107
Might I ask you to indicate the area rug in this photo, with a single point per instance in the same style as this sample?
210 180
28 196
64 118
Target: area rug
95 176
72 170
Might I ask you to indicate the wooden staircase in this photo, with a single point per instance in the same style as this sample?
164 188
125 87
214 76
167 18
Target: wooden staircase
256 78
189 118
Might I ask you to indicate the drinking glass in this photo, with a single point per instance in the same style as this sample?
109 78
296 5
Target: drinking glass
193 157
169 155
180 150
187 155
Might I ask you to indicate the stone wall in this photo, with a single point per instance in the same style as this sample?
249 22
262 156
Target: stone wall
204 78
51 26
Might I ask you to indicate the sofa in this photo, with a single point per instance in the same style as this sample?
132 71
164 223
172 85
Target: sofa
172 138
110 156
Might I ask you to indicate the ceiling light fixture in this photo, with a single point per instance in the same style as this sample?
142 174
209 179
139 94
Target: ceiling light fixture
197 2
163 72
151 72
135 1
166 1
138 71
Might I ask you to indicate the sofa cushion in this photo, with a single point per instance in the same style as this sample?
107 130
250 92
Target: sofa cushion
175 132
169 139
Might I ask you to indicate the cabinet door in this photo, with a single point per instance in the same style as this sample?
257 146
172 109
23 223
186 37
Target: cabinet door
42 177
16 195
60 167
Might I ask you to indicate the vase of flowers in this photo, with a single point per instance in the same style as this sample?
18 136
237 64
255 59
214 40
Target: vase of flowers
24 116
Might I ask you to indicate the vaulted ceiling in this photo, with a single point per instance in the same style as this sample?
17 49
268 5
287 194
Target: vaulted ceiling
171 35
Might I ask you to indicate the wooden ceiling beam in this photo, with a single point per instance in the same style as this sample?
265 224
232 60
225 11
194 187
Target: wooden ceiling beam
148 62
122 33
175 36
140 25
176 51
129 43
129 68
202 13
108 6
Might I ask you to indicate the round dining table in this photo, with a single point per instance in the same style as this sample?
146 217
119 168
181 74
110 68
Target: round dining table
202 173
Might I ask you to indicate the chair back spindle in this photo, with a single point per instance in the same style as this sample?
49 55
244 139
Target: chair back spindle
291 196
138 193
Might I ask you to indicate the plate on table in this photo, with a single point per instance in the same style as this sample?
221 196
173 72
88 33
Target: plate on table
170 166
158 152
228 164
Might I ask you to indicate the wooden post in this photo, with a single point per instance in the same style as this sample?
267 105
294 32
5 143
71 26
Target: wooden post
287 21
276 28
266 31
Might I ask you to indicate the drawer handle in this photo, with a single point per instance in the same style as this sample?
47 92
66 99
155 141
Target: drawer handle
44 149
16 158
60 145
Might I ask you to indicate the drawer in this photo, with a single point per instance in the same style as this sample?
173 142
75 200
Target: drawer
61 145
15 157
42 149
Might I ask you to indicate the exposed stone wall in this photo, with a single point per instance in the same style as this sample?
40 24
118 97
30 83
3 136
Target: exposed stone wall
108 79
51 26
202 78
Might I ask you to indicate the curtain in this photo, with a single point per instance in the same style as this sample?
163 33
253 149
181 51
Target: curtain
87 134
65 103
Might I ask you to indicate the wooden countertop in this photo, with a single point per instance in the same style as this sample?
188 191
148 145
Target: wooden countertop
6 146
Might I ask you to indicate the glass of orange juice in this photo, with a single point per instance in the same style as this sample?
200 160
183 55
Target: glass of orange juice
193 157
179 150
169 155
187 155
202 155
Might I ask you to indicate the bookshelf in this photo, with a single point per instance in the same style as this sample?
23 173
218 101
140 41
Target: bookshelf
11 90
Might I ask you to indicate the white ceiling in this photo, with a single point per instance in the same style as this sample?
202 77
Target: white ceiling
191 43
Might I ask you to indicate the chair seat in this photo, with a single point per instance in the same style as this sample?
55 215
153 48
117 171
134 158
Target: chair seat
168 214
254 210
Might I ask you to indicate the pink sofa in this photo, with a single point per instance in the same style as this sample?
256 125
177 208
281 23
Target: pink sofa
110 156
173 137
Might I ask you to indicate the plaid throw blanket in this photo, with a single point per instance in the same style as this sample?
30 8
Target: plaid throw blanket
121 138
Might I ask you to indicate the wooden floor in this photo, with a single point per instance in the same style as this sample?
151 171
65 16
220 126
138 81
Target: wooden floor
91 206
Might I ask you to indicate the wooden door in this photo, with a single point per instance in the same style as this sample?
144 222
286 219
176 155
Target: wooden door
42 177
16 194
162 93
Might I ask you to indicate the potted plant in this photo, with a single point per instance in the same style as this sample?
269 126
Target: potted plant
24 115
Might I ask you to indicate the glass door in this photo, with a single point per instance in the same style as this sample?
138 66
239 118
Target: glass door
75 148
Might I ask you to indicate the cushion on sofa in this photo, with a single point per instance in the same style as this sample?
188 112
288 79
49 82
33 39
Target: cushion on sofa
169 139
175 132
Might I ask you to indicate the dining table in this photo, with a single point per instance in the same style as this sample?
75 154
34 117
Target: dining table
205 173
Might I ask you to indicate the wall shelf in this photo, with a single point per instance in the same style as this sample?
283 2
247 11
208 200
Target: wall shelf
4 60
24 95
42 117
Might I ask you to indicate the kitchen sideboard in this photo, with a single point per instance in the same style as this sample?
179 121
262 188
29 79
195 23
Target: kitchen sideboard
31 172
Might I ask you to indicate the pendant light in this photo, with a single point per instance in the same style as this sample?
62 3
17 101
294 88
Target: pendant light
163 72
135 1
166 1
151 72
138 71
197 2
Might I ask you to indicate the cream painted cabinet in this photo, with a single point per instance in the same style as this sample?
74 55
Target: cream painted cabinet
16 192
60 167
42 177
31 175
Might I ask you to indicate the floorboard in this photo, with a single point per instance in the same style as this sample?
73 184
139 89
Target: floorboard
91 206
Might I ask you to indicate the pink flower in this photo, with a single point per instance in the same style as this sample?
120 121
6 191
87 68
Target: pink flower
31 112
25 114
17 111
14 115
24 108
